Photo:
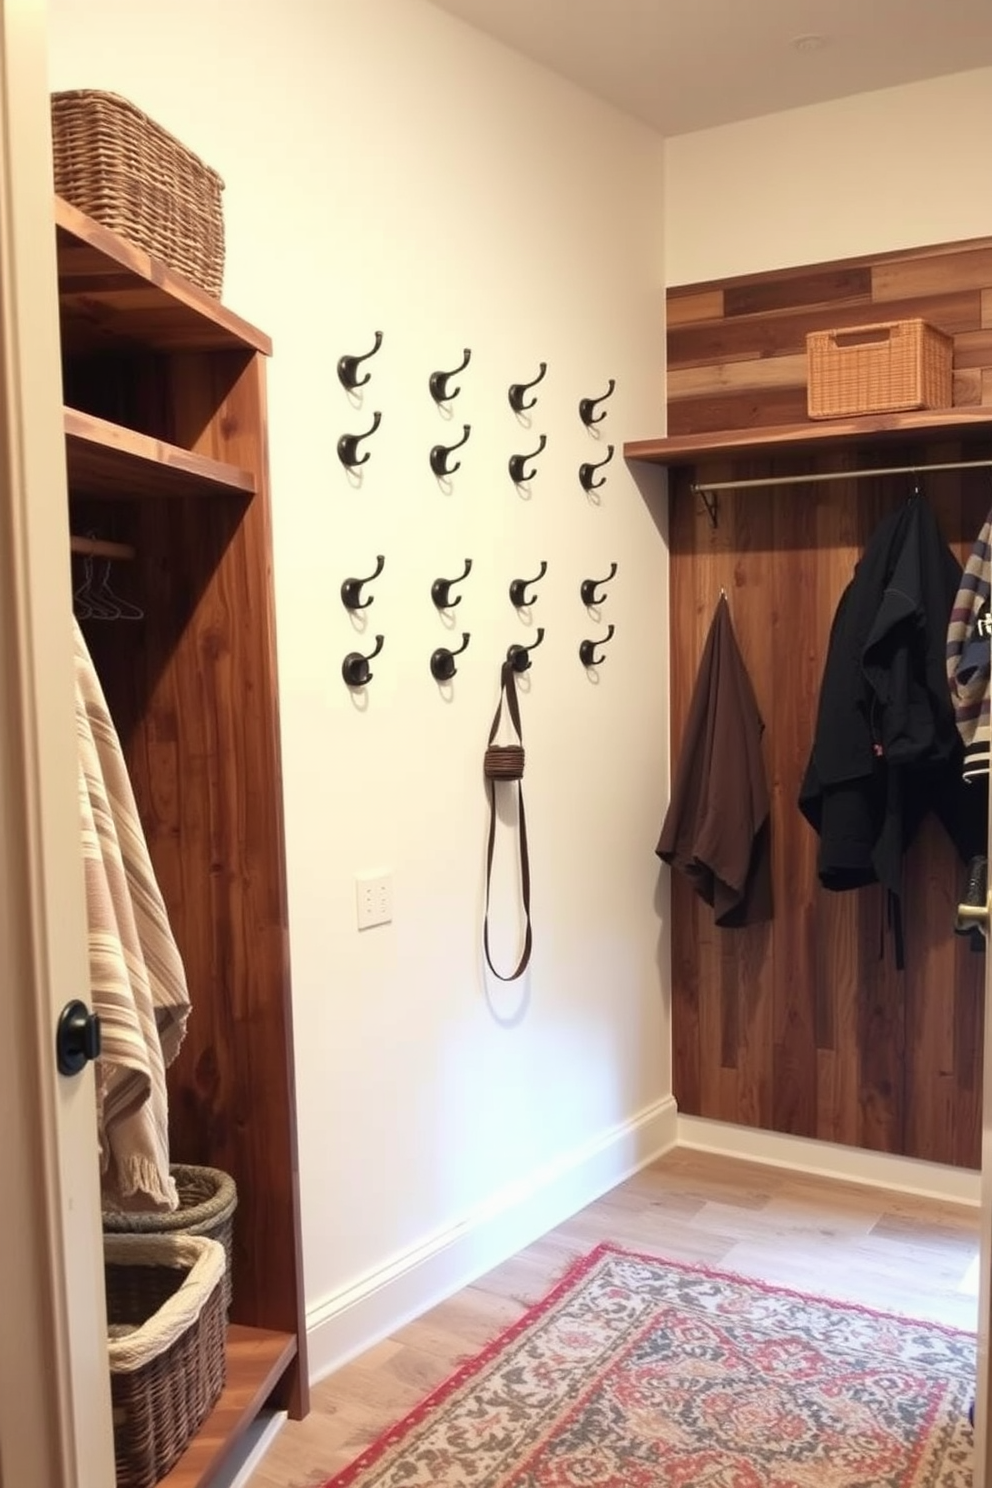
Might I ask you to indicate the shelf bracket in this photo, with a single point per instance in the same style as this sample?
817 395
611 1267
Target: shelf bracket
711 502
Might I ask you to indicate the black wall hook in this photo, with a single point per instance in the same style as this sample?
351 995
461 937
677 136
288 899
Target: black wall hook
518 595
587 649
517 391
348 366
440 453
587 407
440 589
348 444
587 589
517 462
519 656
355 667
443 660
351 589
438 381
588 471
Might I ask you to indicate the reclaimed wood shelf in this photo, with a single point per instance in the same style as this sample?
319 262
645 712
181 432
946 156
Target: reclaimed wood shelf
107 460
828 434
256 1360
110 290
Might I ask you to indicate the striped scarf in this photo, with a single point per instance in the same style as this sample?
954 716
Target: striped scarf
138 985
969 655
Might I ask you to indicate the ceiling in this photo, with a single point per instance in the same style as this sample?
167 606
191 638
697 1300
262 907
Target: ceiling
681 65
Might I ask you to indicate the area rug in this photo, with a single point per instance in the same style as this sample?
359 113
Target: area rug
636 1372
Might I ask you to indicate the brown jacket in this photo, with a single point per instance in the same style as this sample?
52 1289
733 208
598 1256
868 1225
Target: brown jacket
716 827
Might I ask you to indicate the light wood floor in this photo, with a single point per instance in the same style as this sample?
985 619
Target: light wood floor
834 1239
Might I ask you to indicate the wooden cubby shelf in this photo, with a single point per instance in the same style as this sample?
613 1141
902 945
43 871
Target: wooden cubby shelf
107 460
256 1359
110 290
785 439
165 445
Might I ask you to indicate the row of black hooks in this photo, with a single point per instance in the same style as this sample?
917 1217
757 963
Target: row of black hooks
352 598
441 393
356 671
440 458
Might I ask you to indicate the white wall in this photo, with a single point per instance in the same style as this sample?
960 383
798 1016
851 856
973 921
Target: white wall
389 169
898 168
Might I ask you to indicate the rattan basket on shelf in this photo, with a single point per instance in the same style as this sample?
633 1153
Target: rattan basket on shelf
125 171
208 1198
890 367
166 1347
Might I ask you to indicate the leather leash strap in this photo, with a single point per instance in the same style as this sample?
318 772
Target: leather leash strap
506 762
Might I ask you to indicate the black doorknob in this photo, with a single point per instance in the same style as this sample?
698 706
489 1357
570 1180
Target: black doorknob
77 1038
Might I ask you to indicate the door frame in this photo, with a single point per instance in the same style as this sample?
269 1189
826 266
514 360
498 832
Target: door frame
55 1420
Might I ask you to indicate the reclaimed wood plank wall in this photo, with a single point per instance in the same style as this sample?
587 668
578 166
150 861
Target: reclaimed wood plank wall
737 348
804 1026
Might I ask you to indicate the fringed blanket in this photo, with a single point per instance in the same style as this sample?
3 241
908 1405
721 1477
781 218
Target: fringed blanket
138 982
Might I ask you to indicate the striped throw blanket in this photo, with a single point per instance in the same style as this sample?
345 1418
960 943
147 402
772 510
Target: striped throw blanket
137 976
969 655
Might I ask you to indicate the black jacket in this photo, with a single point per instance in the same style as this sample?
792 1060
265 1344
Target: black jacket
886 750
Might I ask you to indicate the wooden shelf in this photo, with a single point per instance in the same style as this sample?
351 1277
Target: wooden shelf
107 460
256 1361
110 290
931 424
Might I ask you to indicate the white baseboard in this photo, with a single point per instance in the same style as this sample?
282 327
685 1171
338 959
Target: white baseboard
359 1315
238 1472
831 1160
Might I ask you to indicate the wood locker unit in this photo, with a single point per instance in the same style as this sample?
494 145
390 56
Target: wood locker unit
165 429
803 1025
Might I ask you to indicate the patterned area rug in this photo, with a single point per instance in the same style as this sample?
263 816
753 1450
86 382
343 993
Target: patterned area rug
642 1373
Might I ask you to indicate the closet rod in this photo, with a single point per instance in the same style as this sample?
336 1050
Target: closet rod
705 487
94 547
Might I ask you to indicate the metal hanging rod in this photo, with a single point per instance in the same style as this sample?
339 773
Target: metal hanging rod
705 488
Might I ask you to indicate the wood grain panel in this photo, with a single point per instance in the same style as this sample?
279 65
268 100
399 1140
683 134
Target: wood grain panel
915 278
973 349
683 309
806 1026
832 286
745 374
752 410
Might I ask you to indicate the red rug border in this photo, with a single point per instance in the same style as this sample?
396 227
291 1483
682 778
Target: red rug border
572 1275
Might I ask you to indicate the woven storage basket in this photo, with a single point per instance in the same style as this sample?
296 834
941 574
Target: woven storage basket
166 1347
884 368
207 1201
125 171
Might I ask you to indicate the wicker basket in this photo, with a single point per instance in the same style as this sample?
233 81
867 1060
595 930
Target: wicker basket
166 1347
207 1201
885 368
122 169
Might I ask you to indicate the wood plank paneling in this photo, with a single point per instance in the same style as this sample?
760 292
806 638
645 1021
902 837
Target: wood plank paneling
684 309
820 1034
832 286
711 342
751 410
766 317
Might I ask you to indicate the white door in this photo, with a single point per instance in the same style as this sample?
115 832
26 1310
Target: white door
55 1424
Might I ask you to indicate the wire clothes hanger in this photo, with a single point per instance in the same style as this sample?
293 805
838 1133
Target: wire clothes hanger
95 599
